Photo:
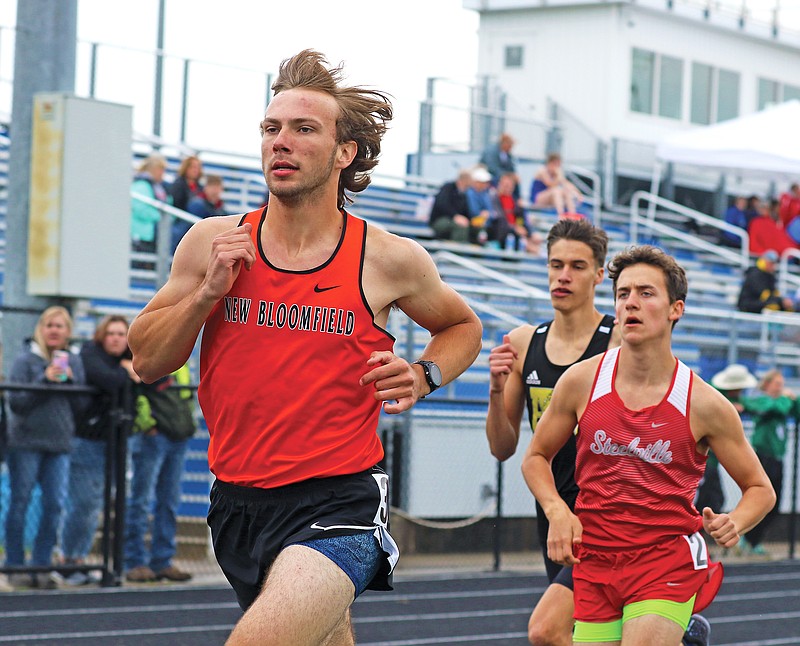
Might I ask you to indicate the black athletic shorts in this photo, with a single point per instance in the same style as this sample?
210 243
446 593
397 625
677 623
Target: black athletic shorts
250 526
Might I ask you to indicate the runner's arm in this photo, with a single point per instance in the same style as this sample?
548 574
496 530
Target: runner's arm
723 432
206 263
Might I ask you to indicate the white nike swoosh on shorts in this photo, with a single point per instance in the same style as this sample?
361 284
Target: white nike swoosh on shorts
325 529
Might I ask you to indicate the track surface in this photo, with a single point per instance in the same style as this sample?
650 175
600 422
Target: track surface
759 604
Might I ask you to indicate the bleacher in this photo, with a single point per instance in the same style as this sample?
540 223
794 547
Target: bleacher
510 288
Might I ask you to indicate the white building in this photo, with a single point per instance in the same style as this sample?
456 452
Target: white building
619 75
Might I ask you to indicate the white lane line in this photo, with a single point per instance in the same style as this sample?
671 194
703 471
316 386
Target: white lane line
57 638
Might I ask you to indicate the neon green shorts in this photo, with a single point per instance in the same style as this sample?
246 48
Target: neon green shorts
611 631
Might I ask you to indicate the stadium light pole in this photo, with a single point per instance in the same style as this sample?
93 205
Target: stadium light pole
158 100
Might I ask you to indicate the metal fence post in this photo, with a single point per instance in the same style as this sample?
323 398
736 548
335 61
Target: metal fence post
793 511
498 518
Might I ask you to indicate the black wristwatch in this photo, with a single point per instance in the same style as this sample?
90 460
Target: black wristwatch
432 375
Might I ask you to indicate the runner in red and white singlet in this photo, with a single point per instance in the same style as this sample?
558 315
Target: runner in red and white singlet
645 425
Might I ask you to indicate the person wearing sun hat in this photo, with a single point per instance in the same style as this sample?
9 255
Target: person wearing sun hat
731 381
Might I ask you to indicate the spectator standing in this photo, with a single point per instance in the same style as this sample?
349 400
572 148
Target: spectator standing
759 288
480 202
736 216
771 411
41 429
108 366
449 216
731 382
149 182
499 161
163 426
551 188
187 182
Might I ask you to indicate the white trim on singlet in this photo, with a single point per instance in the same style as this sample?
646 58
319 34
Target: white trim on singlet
605 374
679 397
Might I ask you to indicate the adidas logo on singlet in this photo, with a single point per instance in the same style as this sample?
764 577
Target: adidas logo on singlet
533 379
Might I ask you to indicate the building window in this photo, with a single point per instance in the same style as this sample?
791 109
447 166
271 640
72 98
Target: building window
656 84
715 94
670 87
727 95
772 92
513 56
791 92
768 93
642 77
701 94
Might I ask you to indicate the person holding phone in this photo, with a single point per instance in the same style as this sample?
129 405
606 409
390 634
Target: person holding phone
40 431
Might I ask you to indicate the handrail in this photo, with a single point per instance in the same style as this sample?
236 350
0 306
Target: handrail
742 258
784 275
491 273
596 182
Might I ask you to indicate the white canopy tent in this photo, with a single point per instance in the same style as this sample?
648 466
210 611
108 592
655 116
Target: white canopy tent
766 142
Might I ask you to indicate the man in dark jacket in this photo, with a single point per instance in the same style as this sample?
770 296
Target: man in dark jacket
449 219
759 289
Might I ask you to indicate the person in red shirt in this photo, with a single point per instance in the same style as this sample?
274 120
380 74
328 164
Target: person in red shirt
645 423
767 232
789 205
297 363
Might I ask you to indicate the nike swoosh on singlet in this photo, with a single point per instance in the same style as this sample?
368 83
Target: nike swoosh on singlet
654 425
319 289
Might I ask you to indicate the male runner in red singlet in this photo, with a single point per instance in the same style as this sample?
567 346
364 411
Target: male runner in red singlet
645 423
296 363
524 370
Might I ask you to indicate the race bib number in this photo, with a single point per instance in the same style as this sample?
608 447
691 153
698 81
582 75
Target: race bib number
382 513
698 550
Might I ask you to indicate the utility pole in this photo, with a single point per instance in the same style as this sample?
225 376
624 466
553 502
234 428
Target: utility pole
44 61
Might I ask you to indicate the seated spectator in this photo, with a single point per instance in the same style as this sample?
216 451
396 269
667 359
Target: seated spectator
207 203
759 288
766 233
40 431
498 160
789 205
187 183
735 216
480 204
511 220
754 209
449 217
551 188
149 182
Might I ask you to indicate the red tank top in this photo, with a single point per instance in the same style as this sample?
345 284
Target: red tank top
637 470
280 360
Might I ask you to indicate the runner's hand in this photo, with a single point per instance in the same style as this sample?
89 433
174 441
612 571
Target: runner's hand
720 527
394 380
229 251
501 362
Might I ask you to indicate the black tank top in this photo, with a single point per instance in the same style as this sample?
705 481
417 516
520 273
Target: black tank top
540 376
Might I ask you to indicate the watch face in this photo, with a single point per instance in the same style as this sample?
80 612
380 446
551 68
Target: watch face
435 373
